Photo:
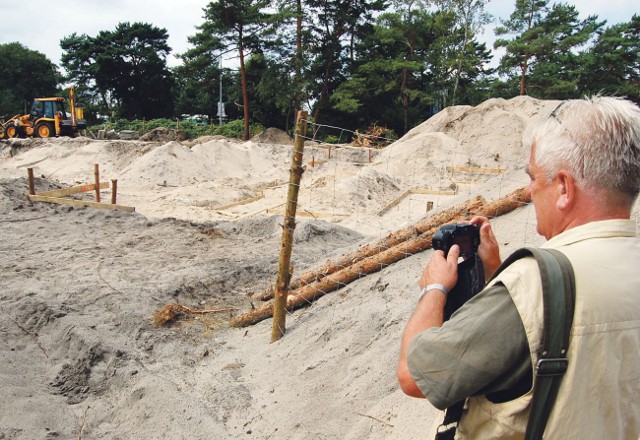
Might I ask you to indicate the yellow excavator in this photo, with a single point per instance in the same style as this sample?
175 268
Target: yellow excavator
47 118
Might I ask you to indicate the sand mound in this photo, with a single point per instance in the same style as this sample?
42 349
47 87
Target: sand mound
205 139
163 134
217 160
273 136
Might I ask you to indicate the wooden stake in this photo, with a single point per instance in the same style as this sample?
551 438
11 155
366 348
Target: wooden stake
114 190
96 174
32 186
284 273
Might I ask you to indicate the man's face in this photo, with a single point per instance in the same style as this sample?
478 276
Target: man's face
543 197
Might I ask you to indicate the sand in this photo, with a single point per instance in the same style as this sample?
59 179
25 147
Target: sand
81 357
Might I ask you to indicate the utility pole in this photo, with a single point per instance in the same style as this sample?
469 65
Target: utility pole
221 113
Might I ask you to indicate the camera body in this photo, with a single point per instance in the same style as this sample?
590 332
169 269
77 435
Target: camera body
464 235
470 271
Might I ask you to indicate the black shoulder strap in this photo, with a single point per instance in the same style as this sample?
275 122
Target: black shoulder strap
558 293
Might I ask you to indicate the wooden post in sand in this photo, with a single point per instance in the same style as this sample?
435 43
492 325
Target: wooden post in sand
96 174
284 273
114 190
32 186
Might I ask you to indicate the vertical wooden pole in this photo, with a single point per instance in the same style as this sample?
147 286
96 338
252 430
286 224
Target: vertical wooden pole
429 206
96 174
32 186
329 151
114 190
369 155
284 274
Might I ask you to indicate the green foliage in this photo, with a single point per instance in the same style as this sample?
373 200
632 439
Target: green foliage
24 74
124 69
612 64
408 64
190 129
331 139
542 50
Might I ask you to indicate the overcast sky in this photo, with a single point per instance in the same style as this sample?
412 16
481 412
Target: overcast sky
25 21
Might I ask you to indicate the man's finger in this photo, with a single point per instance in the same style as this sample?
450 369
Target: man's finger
485 231
439 252
453 254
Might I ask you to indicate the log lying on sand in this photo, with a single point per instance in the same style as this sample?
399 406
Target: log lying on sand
508 203
342 276
466 209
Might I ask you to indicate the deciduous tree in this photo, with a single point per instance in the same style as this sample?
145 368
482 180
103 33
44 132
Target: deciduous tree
126 67
25 74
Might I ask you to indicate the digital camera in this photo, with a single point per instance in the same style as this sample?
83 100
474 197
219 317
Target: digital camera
464 235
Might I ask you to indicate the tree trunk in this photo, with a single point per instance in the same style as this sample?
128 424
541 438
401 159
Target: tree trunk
245 94
522 77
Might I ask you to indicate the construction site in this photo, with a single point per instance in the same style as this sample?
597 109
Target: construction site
137 276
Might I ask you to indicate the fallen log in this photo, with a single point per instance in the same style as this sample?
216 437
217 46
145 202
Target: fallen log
514 200
306 294
466 209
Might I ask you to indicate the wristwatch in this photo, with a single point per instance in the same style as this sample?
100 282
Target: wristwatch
435 286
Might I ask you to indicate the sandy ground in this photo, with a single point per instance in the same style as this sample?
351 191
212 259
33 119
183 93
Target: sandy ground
81 357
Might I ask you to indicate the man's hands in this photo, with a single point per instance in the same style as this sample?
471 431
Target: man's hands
445 270
442 270
489 250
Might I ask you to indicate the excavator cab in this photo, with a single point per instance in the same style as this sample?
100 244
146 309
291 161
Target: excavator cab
46 109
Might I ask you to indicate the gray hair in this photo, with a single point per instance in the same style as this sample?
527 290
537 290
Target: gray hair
597 140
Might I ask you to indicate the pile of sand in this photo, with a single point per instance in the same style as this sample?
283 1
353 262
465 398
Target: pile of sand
273 136
81 355
163 134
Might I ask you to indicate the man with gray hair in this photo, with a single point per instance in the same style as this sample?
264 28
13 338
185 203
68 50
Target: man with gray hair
584 171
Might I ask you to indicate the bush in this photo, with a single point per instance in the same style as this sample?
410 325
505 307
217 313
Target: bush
192 130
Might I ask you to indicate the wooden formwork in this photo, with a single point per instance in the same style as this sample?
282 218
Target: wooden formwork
58 196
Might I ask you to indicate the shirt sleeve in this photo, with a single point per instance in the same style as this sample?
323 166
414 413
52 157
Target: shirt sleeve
481 349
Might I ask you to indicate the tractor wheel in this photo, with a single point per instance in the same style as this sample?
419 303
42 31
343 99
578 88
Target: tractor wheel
45 130
11 131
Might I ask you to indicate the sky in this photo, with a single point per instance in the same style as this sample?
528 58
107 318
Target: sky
25 21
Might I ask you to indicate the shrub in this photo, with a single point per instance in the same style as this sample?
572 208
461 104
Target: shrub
192 130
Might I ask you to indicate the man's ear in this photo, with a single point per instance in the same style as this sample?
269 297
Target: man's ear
566 187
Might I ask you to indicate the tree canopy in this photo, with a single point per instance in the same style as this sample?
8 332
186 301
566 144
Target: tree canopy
25 74
125 68
350 64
